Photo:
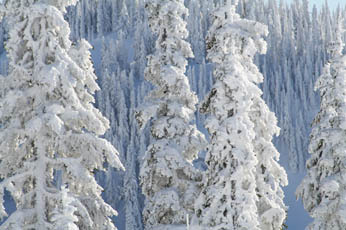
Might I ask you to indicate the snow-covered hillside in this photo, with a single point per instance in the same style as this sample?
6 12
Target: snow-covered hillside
121 39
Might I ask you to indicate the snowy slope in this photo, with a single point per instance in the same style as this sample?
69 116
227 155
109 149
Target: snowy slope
296 54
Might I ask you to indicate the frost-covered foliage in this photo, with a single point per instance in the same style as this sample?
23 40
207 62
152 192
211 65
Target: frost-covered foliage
167 175
297 40
49 128
323 189
241 189
270 176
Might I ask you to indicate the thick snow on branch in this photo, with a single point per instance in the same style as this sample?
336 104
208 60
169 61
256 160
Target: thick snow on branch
241 188
50 129
167 176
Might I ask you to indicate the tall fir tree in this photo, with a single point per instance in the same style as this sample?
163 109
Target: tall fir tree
323 188
270 176
49 128
241 188
167 175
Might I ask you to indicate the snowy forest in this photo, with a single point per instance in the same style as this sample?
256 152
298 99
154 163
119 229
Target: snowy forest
172 114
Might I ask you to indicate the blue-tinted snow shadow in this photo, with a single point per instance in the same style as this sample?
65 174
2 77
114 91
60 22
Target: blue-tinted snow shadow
9 204
297 217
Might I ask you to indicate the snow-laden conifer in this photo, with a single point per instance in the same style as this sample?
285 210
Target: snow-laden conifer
241 188
49 128
270 176
167 175
323 189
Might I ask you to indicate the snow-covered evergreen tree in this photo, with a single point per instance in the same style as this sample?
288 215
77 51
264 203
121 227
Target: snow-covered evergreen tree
241 188
287 90
323 189
49 128
270 176
167 175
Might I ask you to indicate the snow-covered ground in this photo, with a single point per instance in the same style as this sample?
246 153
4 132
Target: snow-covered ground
297 217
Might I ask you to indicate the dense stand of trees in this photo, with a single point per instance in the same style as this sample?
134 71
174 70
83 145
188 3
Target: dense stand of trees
297 50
